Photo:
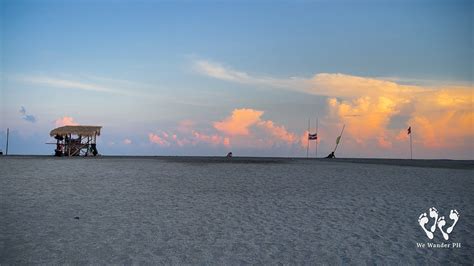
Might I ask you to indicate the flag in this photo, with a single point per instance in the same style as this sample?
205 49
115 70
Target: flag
312 136
338 139
409 130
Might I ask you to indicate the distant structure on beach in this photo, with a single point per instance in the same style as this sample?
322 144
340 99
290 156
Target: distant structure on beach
76 140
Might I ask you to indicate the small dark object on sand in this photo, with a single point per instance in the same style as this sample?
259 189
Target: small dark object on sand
77 217
331 155
229 155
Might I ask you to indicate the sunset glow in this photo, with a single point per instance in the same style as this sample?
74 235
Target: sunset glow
243 79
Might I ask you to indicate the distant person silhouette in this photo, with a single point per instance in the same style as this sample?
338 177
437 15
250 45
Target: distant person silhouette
331 155
229 155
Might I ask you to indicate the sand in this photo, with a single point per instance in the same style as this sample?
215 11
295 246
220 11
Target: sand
179 210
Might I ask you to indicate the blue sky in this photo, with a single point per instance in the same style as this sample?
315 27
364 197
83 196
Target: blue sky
137 68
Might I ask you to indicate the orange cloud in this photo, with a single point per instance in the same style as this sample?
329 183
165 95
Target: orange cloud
444 119
440 116
341 85
65 121
365 117
384 143
239 122
366 105
279 132
160 140
244 128
214 140
192 138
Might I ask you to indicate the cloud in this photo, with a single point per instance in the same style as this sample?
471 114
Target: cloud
325 84
375 114
279 132
239 122
348 86
65 121
25 116
108 86
244 128
89 83
444 119
218 71
67 84
157 139
441 116
212 139
248 122
192 138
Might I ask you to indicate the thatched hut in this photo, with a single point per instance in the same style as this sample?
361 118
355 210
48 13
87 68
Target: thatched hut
76 140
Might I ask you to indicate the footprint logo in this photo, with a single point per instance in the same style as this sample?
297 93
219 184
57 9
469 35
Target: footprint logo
439 222
422 220
453 215
433 214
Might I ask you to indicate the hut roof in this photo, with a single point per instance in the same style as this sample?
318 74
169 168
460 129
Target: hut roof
76 130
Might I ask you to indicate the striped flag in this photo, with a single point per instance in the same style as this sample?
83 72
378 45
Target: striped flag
409 130
312 136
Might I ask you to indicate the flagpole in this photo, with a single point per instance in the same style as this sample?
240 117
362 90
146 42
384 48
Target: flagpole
317 125
8 134
411 147
307 139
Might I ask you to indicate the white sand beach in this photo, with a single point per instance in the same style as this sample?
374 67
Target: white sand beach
241 211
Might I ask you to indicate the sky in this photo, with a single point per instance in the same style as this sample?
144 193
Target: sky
209 77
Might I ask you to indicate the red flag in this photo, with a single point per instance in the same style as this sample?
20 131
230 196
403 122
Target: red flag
409 130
